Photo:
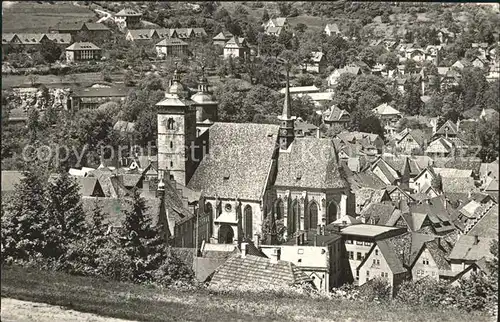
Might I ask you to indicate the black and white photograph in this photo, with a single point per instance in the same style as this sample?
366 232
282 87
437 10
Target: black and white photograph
249 161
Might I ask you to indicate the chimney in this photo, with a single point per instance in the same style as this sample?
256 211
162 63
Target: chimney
476 239
275 256
244 250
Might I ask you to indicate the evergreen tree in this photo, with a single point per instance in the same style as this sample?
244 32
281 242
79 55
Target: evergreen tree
265 16
65 206
25 225
141 241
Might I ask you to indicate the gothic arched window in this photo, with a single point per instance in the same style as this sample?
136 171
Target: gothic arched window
247 222
292 222
279 209
312 221
332 212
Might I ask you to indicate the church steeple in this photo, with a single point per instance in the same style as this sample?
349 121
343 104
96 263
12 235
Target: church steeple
286 134
202 82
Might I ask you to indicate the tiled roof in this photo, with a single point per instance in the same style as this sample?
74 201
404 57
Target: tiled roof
242 153
88 185
128 13
124 126
439 251
461 184
366 179
440 145
487 226
96 26
489 169
380 212
336 114
237 41
453 173
223 35
449 127
385 109
310 164
408 245
462 163
138 34
113 91
83 46
76 26
490 185
466 249
391 257
204 267
60 38
367 230
172 42
257 271
279 22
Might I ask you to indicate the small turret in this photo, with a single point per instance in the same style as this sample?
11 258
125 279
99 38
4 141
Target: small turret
286 134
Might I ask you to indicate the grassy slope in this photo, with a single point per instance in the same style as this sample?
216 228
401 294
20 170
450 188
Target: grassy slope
84 79
35 17
129 301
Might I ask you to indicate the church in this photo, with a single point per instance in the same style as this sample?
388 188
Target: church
248 173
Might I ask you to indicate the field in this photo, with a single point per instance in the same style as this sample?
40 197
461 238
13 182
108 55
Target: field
143 303
83 79
35 17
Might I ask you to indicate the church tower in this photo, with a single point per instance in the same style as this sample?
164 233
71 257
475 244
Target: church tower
176 132
206 105
286 134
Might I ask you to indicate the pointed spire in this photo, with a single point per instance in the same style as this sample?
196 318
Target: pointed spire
202 81
287 113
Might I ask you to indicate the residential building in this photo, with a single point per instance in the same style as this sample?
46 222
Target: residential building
382 261
332 29
82 51
468 250
274 26
334 76
378 213
336 116
305 129
317 255
359 240
299 91
128 18
34 40
387 114
412 141
321 99
92 97
431 261
236 47
316 63
93 30
139 35
222 38
363 138
171 47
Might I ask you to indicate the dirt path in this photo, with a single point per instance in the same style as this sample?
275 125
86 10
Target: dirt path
16 310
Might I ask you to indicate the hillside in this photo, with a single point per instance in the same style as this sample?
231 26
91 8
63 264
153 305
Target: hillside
136 302
38 17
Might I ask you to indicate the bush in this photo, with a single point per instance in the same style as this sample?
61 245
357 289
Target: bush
376 289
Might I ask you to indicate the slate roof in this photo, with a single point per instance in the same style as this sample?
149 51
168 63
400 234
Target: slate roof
83 46
466 250
257 271
241 151
310 164
141 34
